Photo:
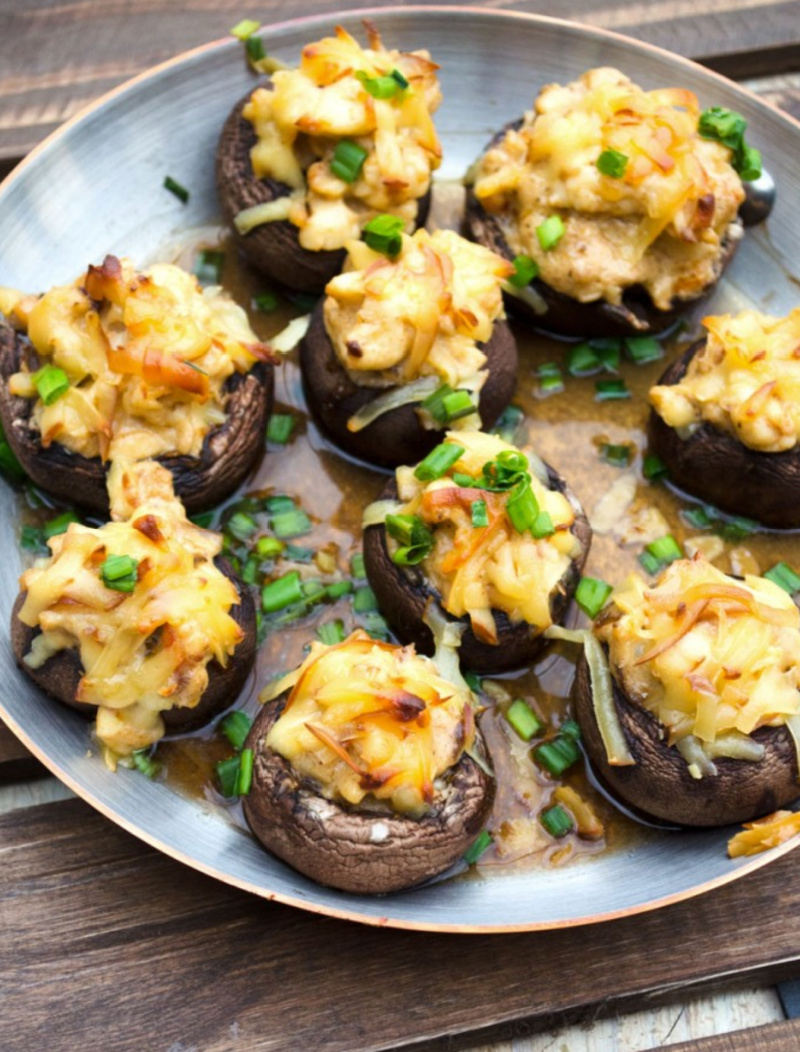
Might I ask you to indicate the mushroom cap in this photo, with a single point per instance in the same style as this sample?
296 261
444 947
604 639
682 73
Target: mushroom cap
61 674
272 248
364 851
636 315
404 592
716 467
227 456
396 437
659 784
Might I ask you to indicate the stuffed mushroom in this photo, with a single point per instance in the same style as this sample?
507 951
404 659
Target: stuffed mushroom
493 536
620 206
409 341
699 721
726 417
137 621
364 770
128 364
307 160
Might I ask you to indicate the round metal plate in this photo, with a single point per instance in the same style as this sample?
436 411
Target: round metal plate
96 186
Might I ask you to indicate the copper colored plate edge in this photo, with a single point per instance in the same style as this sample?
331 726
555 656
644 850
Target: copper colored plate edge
301 903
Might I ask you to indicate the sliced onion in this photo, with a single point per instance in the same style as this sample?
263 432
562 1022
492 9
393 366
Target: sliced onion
691 749
403 394
288 338
735 746
375 513
268 212
529 296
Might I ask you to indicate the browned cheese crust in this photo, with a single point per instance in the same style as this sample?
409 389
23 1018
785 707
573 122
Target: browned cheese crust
61 675
659 784
228 454
273 248
637 315
404 592
716 467
356 850
396 437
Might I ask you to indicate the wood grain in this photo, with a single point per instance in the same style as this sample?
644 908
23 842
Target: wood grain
56 56
161 946
776 1037
16 763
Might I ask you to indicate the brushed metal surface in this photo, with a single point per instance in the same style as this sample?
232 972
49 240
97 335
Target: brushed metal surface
95 187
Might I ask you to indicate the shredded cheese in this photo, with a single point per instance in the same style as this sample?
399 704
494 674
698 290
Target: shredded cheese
764 834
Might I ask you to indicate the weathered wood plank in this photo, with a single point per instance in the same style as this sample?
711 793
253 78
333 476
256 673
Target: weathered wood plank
58 55
203 961
775 1037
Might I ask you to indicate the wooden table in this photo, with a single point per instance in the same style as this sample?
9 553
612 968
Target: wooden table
109 944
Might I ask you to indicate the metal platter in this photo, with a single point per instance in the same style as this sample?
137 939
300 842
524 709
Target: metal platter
95 187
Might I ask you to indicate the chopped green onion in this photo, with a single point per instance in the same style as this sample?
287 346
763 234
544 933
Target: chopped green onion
203 519
244 29
571 729
508 424
9 464
250 570
386 87
438 462
550 379
282 592
175 188
288 524
144 763
543 526
522 507
474 682
60 524
610 390
245 778
504 472
364 600
375 625
357 566
666 549
591 595
557 821
51 383
280 428
298 553
401 80
228 776
236 726
525 270
736 528
697 518
384 234
118 572
476 849
32 538
550 232
582 360
338 589
208 266
348 160
480 516
254 46
456 405
278 503
643 349
784 576
268 547
557 755
241 526
728 127
266 302
331 633
650 564
653 467
619 456
314 591
612 163
609 352
413 536
749 164
524 720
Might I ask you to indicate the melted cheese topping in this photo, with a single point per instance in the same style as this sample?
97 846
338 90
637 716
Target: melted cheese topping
764 834
146 355
494 567
710 657
311 109
370 722
662 225
145 651
421 314
745 380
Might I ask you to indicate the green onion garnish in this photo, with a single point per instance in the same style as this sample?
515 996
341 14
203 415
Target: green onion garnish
203 519
254 46
618 456
384 234
249 571
591 595
266 302
241 526
245 779
313 591
571 729
401 80
413 536
60 524
290 523
610 390
666 549
653 467
650 564
228 776
280 428
438 462
144 763
480 516
522 507
31 538
474 682
175 187
364 600
298 553
456 405
386 87
524 720
542 526
550 232
643 349
282 592
474 852
736 528
697 518
236 726
9 465
338 589
525 270
244 29
51 383
268 547
348 160
508 424
557 821
609 351
550 379
503 473
557 755
728 127
331 633
118 572
784 576
612 163
357 566
208 266
582 360
375 625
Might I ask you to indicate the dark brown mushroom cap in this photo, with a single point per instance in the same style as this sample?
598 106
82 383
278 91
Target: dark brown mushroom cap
716 467
659 784
227 456
396 437
60 676
273 248
636 315
366 852
404 592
